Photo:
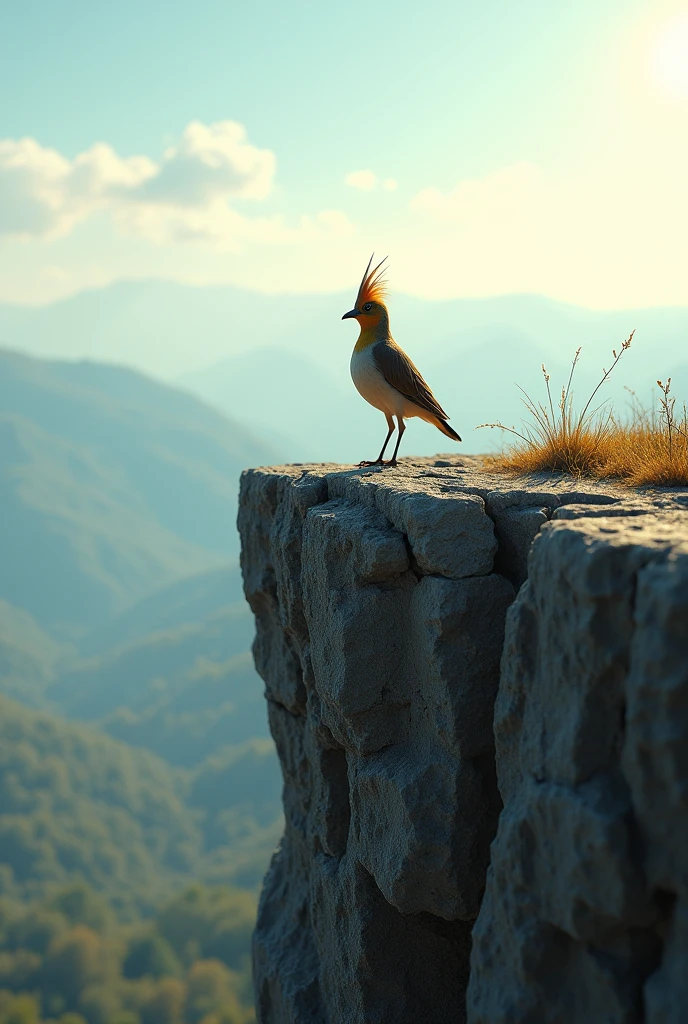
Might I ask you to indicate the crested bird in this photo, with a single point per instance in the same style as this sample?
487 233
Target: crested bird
382 372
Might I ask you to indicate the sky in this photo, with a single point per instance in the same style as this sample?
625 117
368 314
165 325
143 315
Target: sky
503 147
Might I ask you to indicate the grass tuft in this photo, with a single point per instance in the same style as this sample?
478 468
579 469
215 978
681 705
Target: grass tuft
649 448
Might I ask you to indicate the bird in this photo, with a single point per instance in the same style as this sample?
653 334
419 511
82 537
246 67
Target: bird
382 372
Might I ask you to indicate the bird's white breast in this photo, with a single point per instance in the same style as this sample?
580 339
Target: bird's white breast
373 386
370 383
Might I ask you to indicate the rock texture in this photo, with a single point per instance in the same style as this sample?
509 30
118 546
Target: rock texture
380 601
585 909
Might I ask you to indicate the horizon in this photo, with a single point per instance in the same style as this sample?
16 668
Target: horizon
331 292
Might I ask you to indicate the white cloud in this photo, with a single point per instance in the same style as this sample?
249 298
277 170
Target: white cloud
501 194
366 180
212 162
185 196
333 224
32 189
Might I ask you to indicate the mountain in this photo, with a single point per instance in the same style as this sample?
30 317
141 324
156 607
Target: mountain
78 806
170 330
28 656
288 397
111 485
172 674
134 750
184 693
189 600
320 418
280 363
159 327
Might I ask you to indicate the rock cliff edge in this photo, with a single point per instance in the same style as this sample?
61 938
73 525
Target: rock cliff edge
478 690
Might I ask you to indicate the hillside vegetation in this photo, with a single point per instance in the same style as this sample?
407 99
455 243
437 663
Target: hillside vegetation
139 792
28 655
66 958
79 806
111 485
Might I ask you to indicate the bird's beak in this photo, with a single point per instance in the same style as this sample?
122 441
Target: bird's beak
351 313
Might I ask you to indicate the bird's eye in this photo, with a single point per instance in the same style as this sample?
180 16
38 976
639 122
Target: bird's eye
367 308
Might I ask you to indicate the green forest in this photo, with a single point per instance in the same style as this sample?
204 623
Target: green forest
66 957
139 787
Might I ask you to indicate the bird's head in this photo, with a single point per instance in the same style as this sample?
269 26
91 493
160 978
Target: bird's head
370 308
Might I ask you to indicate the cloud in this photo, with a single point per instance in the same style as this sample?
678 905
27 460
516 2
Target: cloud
211 162
32 188
365 180
185 196
500 194
42 194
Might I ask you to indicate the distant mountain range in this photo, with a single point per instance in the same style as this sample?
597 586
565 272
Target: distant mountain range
117 605
111 485
173 674
134 748
279 364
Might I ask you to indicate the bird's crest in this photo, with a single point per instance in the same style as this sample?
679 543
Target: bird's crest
373 286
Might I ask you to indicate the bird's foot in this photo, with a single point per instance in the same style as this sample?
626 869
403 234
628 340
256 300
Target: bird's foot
379 462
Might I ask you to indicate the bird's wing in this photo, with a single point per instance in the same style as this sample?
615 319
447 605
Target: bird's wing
398 370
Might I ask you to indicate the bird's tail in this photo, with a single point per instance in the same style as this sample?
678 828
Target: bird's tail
446 429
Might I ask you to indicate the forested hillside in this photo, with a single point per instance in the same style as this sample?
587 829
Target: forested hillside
67 958
184 689
111 485
77 805
139 791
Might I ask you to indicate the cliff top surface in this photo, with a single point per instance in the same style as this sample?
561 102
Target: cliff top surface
459 520
444 475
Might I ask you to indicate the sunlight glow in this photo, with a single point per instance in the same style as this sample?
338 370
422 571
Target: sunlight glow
670 58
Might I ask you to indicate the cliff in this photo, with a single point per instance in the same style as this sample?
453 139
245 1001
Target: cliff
485 778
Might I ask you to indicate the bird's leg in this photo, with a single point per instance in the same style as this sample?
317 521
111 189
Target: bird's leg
378 460
402 428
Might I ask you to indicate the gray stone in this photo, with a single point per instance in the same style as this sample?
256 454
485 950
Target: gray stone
587 498
666 990
419 819
594 658
378 966
286 967
655 752
447 529
364 698
599 511
516 529
456 638
404 681
503 499
272 506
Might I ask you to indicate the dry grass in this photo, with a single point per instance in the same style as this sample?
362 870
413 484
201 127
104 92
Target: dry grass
652 447
649 447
